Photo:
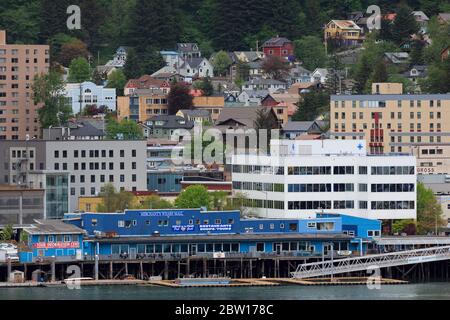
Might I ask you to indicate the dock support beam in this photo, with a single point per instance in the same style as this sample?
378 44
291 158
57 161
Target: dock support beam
53 268
188 267
166 270
111 275
204 268
141 270
225 268
251 269
96 267
8 273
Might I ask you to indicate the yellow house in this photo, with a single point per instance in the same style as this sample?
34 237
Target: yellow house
142 105
346 32
213 104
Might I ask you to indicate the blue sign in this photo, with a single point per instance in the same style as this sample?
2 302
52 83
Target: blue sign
215 227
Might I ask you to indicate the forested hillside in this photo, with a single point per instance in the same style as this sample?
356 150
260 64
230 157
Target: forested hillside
159 24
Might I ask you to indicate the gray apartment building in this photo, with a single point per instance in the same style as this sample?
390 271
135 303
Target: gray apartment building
68 169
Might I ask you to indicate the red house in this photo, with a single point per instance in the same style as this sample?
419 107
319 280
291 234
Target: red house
280 47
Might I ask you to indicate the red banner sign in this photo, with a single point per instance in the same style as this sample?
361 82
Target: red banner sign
56 245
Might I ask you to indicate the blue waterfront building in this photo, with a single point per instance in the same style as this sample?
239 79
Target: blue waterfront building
140 233
52 239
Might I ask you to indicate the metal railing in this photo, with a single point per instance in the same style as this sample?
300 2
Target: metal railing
386 260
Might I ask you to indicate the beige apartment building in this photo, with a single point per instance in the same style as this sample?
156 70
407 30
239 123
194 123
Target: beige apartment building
18 66
393 122
142 105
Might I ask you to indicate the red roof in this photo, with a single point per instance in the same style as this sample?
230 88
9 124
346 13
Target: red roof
146 82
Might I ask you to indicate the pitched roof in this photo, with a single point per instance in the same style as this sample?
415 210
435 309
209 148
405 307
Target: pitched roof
146 82
249 56
397 57
257 81
187 47
52 227
346 24
193 62
244 115
276 42
195 113
302 126
444 16
86 129
256 93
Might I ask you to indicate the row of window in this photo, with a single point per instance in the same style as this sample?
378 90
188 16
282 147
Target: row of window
92 153
93 190
258 186
57 238
258 203
164 223
258 169
321 187
318 205
102 178
392 205
93 166
382 104
392 187
393 170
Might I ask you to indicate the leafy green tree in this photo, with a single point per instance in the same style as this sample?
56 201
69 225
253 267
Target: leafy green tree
438 80
118 81
79 71
48 89
179 97
219 200
400 226
312 105
221 63
7 233
21 20
379 74
311 52
193 197
123 130
156 202
113 201
429 211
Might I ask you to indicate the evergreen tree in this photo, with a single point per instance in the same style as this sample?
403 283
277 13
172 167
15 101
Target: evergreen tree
231 24
151 60
363 70
404 25
334 83
53 18
416 54
132 69
312 105
154 23
379 73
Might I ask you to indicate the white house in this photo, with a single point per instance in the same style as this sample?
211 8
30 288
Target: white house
271 85
119 58
319 75
88 93
171 58
196 67
301 178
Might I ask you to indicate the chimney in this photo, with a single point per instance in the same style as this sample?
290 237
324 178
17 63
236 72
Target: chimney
2 37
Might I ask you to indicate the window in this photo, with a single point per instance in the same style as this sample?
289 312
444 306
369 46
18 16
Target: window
312 225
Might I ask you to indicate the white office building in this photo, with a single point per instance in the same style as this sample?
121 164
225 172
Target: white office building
88 93
301 178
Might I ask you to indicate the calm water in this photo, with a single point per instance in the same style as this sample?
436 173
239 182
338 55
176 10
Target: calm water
439 290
